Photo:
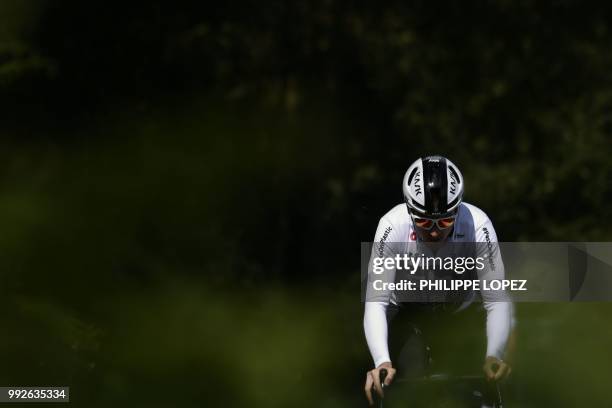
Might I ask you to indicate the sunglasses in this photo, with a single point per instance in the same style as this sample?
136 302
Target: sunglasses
428 223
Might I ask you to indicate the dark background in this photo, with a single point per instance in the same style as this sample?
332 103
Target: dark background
185 185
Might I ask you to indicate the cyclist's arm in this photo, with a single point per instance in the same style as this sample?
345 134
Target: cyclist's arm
511 346
375 314
375 327
498 307
498 327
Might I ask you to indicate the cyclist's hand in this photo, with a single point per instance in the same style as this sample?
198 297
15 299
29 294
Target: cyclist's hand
496 369
373 380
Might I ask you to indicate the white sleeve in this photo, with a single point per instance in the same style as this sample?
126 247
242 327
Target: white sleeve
499 318
499 308
375 327
375 314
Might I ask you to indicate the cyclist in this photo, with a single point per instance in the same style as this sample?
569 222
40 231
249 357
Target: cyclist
433 212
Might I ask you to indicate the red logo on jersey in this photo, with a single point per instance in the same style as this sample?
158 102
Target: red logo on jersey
413 236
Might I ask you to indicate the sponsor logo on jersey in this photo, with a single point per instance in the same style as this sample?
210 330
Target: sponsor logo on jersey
381 246
489 247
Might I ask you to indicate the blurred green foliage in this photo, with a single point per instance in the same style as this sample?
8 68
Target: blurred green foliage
185 186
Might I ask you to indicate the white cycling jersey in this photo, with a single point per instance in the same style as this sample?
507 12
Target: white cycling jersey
471 225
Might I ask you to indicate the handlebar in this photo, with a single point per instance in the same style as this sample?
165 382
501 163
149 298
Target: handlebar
382 375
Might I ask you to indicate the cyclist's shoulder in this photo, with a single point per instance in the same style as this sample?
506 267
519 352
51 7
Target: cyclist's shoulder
472 214
397 215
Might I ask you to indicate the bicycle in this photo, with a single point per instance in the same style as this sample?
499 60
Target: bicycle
423 381
441 390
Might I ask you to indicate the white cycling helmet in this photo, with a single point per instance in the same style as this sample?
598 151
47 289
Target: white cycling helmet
433 186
